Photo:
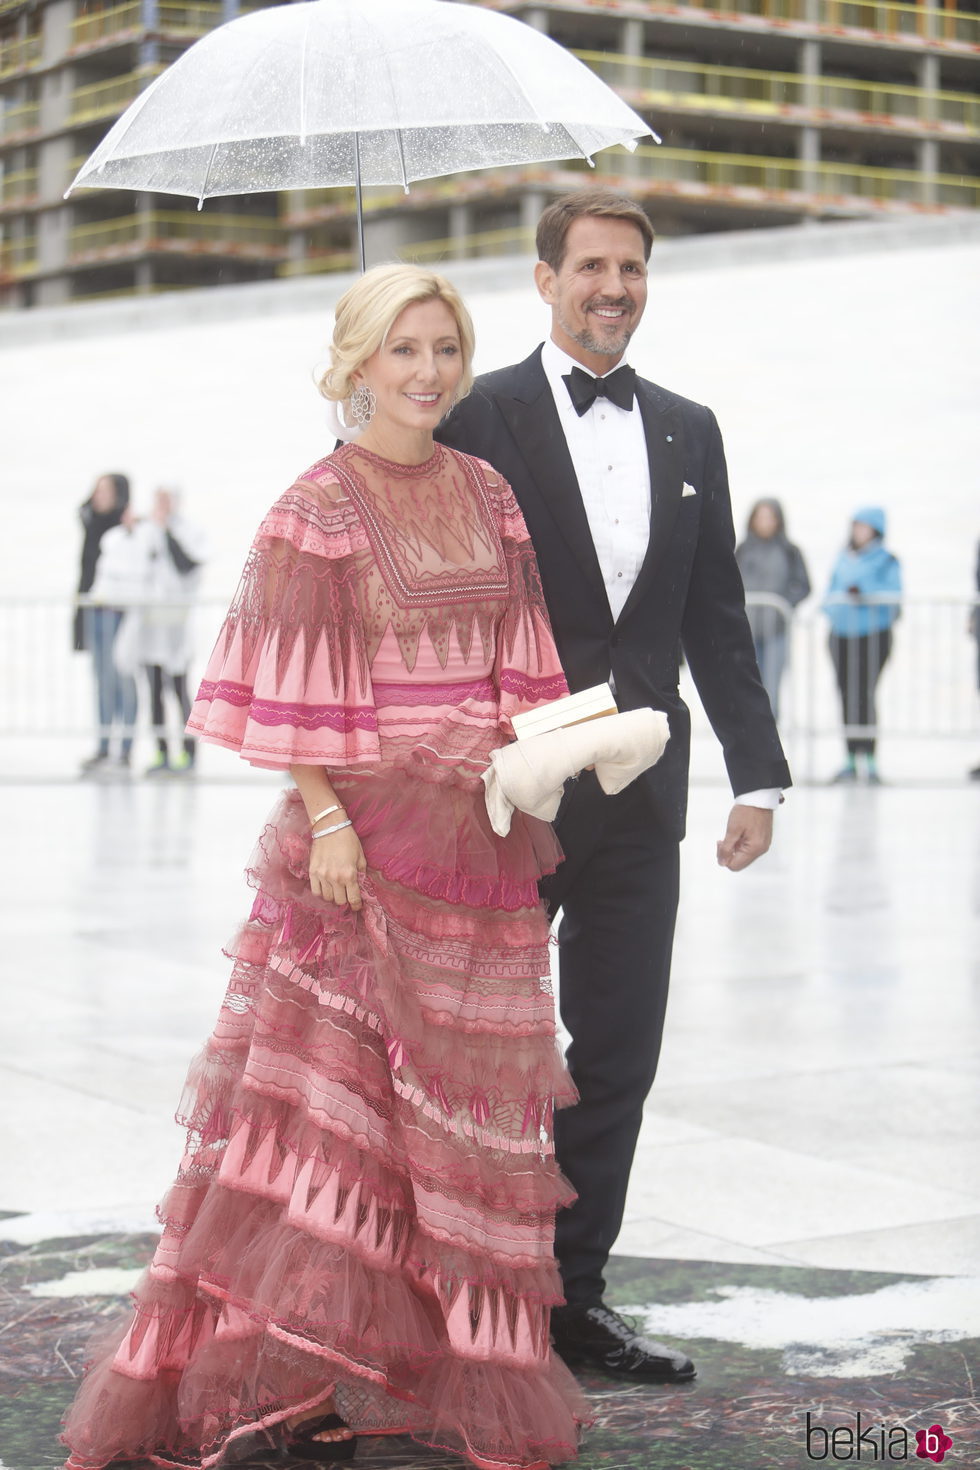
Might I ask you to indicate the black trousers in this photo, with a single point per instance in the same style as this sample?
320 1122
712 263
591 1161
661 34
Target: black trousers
178 682
618 891
858 663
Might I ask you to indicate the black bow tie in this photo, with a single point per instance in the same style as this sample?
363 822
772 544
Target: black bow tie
583 389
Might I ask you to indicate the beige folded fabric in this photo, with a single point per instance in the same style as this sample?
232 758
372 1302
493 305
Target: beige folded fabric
531 774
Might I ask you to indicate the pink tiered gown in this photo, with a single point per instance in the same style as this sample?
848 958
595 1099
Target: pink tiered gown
368 1194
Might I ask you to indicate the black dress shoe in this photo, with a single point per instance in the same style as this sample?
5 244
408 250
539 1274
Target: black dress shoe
595 1337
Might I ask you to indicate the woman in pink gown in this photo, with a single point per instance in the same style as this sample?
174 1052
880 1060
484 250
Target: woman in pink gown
360 1233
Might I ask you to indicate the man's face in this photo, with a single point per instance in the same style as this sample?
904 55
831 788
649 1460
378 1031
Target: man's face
598 294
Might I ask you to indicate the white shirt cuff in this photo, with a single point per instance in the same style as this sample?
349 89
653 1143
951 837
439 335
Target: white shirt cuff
769 799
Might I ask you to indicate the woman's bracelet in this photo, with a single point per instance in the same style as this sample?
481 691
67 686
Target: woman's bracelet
325 813
337 827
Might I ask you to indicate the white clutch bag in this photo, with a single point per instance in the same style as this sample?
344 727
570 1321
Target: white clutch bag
530 774
573 709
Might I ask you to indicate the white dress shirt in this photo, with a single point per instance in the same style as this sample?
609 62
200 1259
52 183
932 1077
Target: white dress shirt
609 456
608 449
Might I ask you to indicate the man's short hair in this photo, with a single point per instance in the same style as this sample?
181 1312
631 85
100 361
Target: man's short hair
554 224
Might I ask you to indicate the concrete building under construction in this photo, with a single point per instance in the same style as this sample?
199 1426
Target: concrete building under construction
772 112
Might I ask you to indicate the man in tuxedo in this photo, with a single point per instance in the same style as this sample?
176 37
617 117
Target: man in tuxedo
625 492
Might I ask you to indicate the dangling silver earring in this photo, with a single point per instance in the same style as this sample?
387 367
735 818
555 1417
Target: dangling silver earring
363 404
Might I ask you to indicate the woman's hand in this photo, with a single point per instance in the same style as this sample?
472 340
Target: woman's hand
336 865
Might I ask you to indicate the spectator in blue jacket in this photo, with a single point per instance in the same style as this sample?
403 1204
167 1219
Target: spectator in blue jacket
863 602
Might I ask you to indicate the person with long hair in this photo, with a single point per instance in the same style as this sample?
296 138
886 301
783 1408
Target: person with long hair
771 564
360 1238
96 625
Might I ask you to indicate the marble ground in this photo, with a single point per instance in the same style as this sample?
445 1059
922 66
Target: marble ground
805 1210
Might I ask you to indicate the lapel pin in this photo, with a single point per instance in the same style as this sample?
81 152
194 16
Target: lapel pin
670 438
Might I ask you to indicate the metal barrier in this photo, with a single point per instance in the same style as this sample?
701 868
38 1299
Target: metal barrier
927 694
927 691
46 688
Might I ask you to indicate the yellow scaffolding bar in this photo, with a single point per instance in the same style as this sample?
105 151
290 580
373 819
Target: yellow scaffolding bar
173 18
18 257
16 187
19 55
23 119
482 242
101 25
108 99
853 180
876 17
215 232
192 19
318 263
734 89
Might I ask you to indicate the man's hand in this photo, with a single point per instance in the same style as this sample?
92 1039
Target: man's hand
748 836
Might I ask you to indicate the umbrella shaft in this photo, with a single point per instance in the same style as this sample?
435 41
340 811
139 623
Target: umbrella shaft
360 201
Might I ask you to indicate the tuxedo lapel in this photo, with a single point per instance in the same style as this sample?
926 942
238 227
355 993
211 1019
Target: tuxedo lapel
664 434
530 413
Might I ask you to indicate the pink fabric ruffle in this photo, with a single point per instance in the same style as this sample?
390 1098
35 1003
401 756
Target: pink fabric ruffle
367 1199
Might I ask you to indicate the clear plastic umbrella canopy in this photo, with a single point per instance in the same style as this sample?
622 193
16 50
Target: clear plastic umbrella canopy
334 92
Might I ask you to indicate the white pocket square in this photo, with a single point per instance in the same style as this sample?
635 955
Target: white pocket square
688 490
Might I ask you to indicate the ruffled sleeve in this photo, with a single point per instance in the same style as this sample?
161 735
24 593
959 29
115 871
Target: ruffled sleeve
288 681
527 670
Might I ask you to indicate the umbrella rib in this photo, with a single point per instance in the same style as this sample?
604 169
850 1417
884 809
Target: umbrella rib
397 130
207 176
302 84
401 158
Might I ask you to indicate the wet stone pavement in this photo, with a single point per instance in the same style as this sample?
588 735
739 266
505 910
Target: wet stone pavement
805 1211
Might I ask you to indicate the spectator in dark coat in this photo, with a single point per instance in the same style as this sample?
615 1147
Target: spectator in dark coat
95 628
770 563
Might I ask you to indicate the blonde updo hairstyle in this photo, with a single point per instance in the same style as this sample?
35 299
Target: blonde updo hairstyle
367 312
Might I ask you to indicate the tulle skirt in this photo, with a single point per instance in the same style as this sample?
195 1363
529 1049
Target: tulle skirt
366 1203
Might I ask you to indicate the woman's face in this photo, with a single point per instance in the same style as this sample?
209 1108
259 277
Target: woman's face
104 496
862 533
415 373
765 522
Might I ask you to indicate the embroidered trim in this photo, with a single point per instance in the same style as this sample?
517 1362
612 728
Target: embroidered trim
527 688
471 584
434 694
337 717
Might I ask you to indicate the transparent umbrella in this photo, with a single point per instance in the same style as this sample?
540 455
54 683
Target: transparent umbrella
342 92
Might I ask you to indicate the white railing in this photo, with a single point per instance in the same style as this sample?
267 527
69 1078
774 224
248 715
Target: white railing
927 700
927 703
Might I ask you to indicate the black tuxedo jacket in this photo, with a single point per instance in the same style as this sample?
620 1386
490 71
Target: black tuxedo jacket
688 592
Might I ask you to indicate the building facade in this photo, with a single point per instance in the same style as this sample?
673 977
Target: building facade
772 112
